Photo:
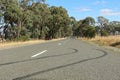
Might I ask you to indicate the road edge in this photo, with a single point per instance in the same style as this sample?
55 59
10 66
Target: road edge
21 44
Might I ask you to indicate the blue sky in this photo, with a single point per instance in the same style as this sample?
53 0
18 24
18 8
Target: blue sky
80 9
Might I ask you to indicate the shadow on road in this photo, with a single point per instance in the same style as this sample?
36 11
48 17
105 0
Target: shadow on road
62 66
9 63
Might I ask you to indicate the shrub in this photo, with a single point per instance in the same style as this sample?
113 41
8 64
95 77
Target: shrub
104 33
90 32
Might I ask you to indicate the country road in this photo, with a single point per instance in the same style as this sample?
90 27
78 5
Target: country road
68 59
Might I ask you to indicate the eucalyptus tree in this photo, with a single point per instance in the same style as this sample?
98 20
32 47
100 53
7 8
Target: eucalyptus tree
34 19
114 26
58 22
102 21
40 19
12 15
86 28
102 24
73 24
89 21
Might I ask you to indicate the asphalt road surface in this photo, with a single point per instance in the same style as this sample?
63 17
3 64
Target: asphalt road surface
68 59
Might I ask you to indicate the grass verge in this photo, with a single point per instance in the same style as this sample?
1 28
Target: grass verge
113 41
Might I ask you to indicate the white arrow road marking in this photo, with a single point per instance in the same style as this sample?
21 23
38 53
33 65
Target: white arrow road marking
39 54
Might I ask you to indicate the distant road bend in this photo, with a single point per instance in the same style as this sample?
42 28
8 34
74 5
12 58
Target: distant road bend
68 59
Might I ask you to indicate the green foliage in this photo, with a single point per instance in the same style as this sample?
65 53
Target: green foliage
104 33
22 38
0 14
24 35
35 20
85 28
58 22
89 21
105 28
35 34
12 13
90 32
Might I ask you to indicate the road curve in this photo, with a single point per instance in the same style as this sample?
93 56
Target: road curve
68 59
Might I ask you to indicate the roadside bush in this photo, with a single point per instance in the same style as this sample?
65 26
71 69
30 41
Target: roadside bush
22 38
35 34
90 32
104 33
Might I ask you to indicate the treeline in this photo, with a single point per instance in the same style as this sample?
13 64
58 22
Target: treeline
29 19
88 27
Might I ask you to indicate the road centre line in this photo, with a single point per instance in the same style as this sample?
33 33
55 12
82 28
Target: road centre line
38 54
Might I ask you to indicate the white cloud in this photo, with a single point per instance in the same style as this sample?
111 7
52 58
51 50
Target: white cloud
99 2
109 12
85 9
96 2
103 2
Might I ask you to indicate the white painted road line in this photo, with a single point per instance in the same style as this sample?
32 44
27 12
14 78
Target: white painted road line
39 53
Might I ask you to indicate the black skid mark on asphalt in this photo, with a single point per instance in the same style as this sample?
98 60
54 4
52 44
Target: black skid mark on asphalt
62 66
36 79
44 57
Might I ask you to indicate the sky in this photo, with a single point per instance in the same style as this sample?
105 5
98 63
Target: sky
81 9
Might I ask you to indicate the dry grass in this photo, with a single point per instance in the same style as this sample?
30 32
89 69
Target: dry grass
107 41
17 44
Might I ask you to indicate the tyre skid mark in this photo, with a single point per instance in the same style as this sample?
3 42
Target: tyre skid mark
44 57
62 66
